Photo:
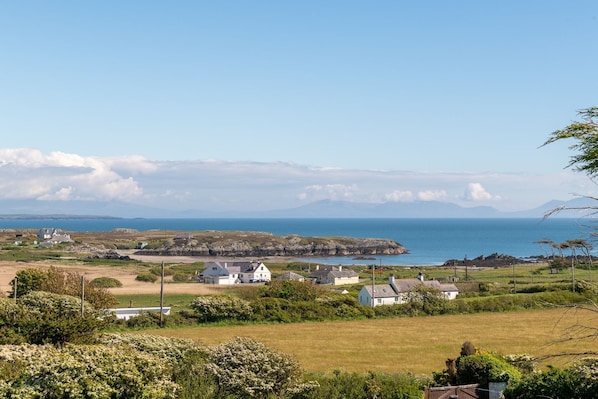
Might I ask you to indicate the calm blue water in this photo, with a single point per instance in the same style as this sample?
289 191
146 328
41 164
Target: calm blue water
429 241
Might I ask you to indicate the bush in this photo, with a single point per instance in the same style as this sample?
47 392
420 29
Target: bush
371 385
182 277
106 282
248 369
76 371
147 277
482 368
577 381
221 307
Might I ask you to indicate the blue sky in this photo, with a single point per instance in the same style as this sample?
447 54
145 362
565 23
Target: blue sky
264 104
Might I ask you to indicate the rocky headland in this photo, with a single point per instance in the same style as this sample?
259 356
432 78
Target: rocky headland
255 244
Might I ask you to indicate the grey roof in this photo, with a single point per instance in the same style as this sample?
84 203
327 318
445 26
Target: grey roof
291 276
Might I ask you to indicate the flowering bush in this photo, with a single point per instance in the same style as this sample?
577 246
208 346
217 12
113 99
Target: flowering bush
170 350
249 369
82 371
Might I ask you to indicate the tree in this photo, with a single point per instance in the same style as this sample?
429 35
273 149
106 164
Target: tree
59 281
586 134
28 280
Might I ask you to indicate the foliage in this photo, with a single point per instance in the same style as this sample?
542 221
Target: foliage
291 290
427 300
59 281
577 381
56 319
474 367
28 280
481 368
585 132
248 369
368 386
82 371
221 307
147 277
105 282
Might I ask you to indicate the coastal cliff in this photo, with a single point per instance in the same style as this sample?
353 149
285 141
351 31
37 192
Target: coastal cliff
255 244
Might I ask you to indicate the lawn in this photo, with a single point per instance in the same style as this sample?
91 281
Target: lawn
417 345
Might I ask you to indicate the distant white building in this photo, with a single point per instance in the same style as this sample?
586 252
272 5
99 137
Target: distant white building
334 275
127 313
53 236
396 290
227 273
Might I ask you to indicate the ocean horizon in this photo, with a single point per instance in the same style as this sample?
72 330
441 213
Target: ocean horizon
429 241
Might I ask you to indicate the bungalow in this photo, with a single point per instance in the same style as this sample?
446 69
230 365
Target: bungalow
227 273
395 291
127 313
291 276
334 275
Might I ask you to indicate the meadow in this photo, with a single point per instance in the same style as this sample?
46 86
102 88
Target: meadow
417 345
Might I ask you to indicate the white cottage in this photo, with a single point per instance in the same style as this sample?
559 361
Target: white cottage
334 275
395 291
227 273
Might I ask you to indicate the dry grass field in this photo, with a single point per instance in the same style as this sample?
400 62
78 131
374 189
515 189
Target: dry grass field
416 345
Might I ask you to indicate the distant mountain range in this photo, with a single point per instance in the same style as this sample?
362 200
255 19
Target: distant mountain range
320 209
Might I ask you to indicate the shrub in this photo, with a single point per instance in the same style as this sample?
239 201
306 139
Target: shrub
105 282
182 277
57 319
291 290
221 307
482 368
147 277
59 281
249 369
83 371
577 381
371 385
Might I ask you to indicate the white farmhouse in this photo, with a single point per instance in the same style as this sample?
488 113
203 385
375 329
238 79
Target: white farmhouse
395 291
227 273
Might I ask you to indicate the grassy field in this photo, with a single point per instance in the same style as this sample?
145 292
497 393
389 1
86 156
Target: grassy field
417 345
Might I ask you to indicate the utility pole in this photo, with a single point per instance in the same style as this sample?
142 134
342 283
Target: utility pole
82 295
15 287
373 285
162 296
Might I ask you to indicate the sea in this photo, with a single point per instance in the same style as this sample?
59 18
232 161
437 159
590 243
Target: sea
429 241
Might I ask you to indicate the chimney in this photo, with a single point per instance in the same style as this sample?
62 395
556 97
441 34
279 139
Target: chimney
420 277
391 279
340 268
317 267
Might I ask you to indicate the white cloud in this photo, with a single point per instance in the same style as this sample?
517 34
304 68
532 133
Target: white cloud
476 192
432 195
220 186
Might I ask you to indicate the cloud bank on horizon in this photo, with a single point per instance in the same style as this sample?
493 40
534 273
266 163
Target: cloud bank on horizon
222 186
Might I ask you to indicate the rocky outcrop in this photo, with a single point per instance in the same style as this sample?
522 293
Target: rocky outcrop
263 244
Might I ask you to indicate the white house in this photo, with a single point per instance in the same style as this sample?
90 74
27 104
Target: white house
127 313
395 291
235 272
334 275
53 236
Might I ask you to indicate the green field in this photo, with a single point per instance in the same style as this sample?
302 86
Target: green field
418 345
